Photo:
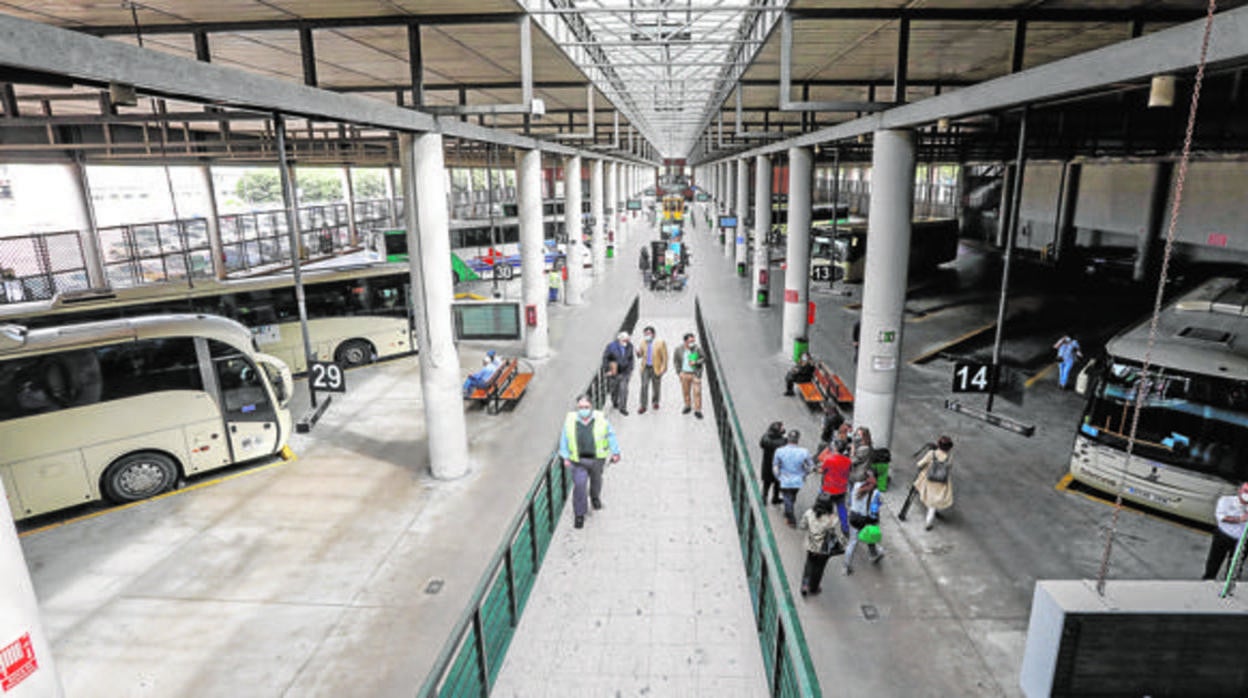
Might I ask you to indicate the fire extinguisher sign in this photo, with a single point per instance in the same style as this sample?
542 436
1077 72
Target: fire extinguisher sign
17 661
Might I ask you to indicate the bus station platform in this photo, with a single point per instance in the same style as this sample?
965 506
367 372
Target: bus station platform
345 571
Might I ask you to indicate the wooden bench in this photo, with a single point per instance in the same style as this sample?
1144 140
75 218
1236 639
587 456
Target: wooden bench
826 385
505 387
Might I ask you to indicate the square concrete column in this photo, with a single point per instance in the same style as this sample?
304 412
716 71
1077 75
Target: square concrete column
730 206
532 249
392 193
762 231
88 231
20 622
429 240
572 221
797 255
611 214
215 248
599 241
884 283
743 211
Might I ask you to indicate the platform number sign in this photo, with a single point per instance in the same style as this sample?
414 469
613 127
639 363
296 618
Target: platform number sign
972 378
822 272
328 377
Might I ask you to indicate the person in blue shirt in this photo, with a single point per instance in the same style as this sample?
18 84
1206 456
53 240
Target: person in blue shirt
1068 352
791 464
481 377
864 510
585 444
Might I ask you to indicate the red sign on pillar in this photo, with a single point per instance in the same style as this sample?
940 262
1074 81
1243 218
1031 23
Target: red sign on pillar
17 661
790 295
810 313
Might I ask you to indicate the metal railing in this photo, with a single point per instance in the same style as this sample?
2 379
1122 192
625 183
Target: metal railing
790 671
37 267
473 655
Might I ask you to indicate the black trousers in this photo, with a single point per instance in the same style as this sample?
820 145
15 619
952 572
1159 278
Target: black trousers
770 483
1220 548
812 574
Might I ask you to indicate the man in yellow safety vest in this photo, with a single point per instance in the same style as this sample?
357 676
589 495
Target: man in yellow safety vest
585 444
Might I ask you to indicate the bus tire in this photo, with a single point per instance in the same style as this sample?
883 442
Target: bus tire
354 352
139 476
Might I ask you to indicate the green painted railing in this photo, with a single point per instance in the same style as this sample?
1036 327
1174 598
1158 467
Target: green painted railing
473 655
790 671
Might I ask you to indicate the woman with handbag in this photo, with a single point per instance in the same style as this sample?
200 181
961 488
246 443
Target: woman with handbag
864 520
823 540
934 483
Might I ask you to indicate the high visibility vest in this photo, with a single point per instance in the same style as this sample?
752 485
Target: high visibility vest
602 447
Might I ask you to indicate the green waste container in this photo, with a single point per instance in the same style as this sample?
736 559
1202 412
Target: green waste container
800 346
610 251
881 458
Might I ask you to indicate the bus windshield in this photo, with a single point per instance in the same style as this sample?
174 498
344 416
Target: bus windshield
1193 421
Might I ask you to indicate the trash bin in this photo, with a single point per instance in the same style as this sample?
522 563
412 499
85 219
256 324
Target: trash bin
881 459
610 251
800 346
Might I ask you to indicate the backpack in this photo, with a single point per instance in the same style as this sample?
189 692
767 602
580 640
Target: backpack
938 471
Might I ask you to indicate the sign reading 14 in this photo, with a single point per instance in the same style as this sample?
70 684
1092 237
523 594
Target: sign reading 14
972 378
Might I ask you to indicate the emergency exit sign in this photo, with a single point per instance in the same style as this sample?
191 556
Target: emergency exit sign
888 336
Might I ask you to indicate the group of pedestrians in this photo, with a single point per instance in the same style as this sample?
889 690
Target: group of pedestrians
620 359
846 511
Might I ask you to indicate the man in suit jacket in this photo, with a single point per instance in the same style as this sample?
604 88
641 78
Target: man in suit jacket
653 357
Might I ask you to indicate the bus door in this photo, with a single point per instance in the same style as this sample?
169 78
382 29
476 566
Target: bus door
246 407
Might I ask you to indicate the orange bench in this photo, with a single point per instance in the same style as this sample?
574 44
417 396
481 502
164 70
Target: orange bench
826 385
506 386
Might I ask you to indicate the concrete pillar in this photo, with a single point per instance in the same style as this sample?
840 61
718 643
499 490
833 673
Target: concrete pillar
348 190
1003 210
611 214
1148 247
730 208
797 256
215 247
884 285
743 210
19 618
572 222
762 230
429 240
1064 239
532 249
88 231
595 210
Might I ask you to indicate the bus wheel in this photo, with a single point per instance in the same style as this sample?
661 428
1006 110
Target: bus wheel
354 352
139 476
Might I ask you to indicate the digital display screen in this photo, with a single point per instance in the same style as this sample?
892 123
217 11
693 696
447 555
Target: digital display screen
487 320
634 205
727 221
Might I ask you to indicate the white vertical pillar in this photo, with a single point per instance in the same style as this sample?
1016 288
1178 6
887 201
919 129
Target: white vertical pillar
797 256
429 239
88 231
572 222
532 249
600 227
730 207
743 210
19 619
762 230
212 217
884 284
348 191
612 213
392 193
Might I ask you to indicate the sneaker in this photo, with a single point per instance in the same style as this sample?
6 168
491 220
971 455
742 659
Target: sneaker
687 410
580 522
815 592
698 415
776 500
878 554
597 503
656 405
624 411
805 591
641 410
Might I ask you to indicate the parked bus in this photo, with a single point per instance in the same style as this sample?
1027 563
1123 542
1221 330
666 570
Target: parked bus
932 242
122 409
673 208
355 314
391 246
1192 441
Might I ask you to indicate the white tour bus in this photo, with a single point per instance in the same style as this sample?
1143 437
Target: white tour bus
122 409
355 314
1192 442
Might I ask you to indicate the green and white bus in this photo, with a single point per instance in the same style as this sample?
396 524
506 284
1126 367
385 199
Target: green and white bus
1192 442
356 314
123 409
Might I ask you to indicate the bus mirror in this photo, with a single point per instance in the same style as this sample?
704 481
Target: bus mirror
279 377
12 336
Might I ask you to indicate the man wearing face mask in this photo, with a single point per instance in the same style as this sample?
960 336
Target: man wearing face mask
1231 514
585 444
653 356
688 359
617 362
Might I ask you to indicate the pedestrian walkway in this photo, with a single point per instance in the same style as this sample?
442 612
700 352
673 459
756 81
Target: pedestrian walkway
650 597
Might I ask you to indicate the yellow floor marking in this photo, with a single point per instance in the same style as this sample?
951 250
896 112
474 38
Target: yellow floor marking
171 493
469 296
1064 483
929 354
1036 378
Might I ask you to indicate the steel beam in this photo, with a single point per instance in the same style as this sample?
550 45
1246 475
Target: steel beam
202 51
416 64
997 14
1020 45
1166 51
310 23
8 99
307 55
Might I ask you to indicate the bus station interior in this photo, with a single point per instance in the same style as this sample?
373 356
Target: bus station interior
369 559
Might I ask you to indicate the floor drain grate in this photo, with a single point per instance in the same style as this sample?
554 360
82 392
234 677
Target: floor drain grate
870 612
434 586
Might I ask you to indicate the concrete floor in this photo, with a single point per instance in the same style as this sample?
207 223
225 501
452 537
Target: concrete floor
309 578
